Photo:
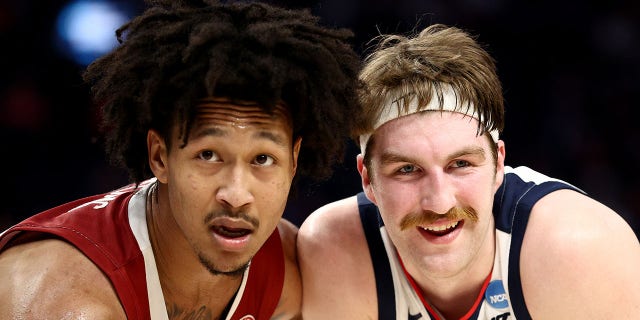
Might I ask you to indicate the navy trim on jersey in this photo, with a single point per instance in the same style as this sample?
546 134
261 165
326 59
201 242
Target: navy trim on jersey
511 204
511 209
384 284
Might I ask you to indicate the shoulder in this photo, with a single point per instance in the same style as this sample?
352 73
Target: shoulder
335 264
523 186
332 222
579 259
288 236
44 278
333 230
576 223
331 235
290 298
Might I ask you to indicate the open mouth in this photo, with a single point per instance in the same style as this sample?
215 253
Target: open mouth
442 230
229 232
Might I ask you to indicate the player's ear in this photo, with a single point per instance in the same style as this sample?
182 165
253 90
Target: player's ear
158 155
296 152
500 165
364 176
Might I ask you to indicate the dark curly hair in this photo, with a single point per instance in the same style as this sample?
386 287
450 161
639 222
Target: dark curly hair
178 52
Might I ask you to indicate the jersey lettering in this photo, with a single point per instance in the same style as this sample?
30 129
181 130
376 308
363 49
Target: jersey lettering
503 316
498 298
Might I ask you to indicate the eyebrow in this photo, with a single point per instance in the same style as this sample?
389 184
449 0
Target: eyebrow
470 151
388 157
217 132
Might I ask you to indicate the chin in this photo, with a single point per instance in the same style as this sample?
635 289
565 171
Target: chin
227 270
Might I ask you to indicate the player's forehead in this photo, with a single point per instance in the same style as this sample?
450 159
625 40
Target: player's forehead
399 105
223 111
431 122
443 129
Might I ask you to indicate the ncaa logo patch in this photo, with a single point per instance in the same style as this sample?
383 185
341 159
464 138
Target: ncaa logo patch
496 296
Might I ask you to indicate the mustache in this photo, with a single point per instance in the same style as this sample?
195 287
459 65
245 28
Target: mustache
426 217
230 214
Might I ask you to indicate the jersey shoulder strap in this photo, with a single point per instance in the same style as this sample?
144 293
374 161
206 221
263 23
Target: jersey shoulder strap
371 223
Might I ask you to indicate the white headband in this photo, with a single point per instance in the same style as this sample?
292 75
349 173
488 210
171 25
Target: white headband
450 102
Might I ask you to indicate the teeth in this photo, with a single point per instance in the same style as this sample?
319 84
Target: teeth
442 227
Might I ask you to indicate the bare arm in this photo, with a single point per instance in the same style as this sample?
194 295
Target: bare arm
337 274
580 260
50 279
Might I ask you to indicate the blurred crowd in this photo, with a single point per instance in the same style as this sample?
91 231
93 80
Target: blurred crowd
570 73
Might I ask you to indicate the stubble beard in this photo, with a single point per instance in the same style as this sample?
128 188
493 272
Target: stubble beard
217 272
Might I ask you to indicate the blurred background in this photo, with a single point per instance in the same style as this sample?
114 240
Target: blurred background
570 72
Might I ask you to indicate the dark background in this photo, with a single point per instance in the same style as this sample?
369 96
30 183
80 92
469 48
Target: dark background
570 73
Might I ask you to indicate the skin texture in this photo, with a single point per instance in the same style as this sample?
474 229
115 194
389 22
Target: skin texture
578 257
235 172
337 274
39 284
460 174
238 166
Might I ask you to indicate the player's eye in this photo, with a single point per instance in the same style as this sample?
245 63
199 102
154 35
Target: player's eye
461 163
407 168
208 155
264 160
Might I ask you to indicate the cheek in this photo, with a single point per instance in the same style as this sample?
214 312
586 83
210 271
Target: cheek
395 200
270 206
183 205
274 196
477 194
189 198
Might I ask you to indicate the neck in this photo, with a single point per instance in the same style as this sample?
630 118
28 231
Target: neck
461 303
453 296
189 289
